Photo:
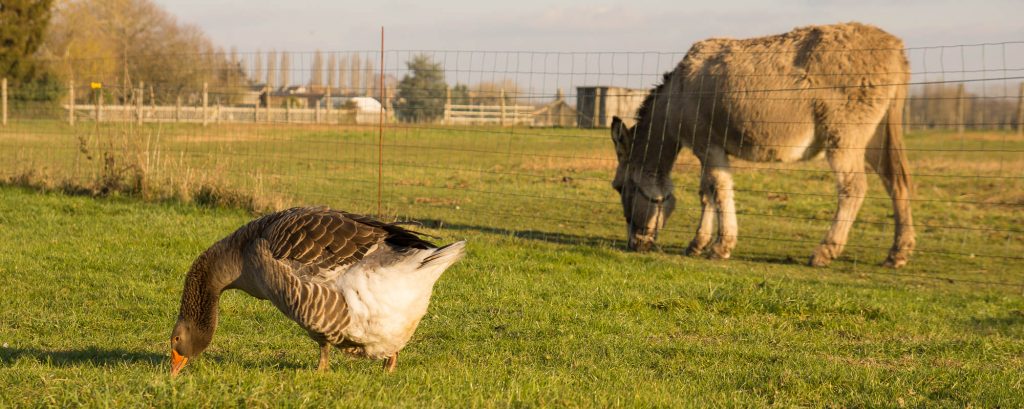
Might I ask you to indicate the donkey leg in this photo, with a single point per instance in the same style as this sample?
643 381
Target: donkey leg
851 186
706 224
720 178
898 187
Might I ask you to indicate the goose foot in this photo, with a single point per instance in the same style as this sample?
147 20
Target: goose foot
391 363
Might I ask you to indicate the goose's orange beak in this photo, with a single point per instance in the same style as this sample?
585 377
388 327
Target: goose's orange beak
177 362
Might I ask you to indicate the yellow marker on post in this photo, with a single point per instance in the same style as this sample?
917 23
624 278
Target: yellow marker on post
95 85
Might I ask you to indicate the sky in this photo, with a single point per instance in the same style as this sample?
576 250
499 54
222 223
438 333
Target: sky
578 25
583 42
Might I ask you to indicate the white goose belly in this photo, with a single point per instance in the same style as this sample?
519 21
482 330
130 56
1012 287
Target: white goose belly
384 311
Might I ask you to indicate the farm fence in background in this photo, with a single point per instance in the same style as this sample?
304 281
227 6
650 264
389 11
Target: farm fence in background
516 143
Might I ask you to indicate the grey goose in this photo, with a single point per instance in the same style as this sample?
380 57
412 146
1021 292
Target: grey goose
350 281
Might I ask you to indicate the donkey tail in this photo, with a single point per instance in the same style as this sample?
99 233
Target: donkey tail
893 158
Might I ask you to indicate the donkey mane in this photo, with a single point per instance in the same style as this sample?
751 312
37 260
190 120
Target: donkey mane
648 104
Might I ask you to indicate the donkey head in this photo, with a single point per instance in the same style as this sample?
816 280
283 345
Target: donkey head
647 199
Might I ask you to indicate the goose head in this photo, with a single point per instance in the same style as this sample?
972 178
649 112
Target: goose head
187 341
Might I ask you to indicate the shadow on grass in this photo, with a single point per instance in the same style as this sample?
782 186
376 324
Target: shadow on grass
575 239
557 238
1010 325
74 357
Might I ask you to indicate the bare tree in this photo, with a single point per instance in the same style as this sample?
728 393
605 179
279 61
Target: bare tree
316 75
285 68
257 66
489 92
272 69
354 75
126 41
343 67
369 85
332 71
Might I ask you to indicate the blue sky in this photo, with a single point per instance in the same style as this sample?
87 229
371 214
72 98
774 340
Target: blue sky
577 25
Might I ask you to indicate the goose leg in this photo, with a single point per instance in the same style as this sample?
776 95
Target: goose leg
325 357
391 363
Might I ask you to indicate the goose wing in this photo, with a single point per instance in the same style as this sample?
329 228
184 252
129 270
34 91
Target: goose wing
318 241
299 247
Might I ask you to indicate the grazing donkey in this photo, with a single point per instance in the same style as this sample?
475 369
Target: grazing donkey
837 88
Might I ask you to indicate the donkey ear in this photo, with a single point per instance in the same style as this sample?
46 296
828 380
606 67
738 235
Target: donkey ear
622 137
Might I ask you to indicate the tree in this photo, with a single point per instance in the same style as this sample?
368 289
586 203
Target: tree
420 96
23 25
122 42
461 95
316 75
489 92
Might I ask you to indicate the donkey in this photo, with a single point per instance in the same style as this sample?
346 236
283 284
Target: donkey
836 88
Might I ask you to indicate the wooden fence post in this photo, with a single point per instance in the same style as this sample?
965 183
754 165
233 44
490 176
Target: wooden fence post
501 121
216 114
206 100
152 103
3 96
1020 110
177 109
268 102
99 105
448 106
71 103
140 100
316 113
330 104
960 109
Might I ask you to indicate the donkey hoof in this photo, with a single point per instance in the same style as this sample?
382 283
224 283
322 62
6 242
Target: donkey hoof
819 261
823 255
694 250
895 261
719 253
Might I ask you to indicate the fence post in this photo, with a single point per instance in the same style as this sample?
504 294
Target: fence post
3 96
206 100
316 113
177 109
216 114
960 109
140 100
71 103
152 104
287 112
502 120
329 104
1020 110
447 106
99 105
256 112
267 93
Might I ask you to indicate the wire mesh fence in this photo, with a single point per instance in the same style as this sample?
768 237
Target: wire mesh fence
517 143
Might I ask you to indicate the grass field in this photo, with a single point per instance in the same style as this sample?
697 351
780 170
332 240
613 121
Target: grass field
546 309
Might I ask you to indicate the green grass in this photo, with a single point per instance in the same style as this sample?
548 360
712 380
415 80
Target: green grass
546 310
91 290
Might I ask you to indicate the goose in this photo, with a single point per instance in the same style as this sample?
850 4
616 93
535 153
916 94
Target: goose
352 282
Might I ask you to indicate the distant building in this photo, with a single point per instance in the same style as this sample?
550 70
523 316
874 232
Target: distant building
556 113
596 105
